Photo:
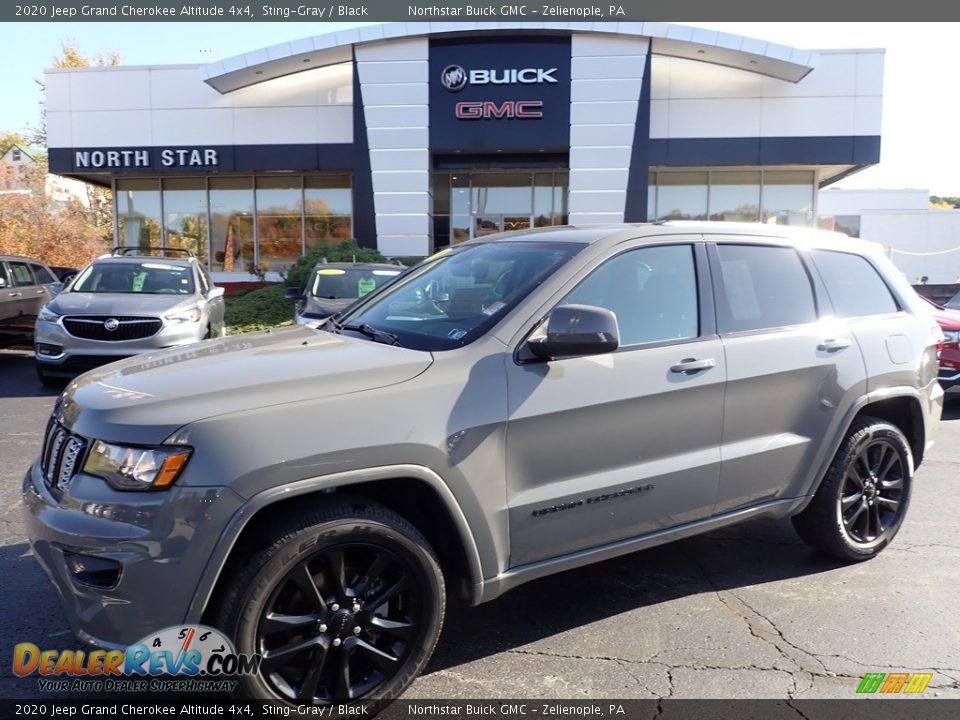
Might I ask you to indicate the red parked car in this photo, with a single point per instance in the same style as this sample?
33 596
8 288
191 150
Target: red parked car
949 321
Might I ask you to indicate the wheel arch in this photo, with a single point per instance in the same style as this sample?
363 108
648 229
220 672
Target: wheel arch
414 492
899 406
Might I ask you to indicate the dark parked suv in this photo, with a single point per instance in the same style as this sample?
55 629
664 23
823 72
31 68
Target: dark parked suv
512 407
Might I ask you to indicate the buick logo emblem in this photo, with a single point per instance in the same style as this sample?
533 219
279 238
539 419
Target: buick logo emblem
111 324
454 78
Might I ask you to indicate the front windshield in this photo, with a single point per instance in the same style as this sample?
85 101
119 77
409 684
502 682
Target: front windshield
348 283
140 278
954 302
451 300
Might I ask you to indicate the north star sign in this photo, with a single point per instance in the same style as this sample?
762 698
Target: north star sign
170 157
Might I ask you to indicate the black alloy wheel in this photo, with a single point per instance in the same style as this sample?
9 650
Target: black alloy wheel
872 494
339 624
343 603
863 498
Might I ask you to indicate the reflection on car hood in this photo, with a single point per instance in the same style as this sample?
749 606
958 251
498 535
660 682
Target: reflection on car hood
326 306
145 398
81 303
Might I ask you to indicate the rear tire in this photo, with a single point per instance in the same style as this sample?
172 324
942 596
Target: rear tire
344 603
863 499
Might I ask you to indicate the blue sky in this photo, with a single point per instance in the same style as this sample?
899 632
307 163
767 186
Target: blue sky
920 114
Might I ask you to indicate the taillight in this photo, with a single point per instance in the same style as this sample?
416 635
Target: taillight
939 338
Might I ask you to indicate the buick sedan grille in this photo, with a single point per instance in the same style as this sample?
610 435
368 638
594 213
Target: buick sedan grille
111 327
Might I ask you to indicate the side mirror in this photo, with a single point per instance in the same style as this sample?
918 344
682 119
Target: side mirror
293 293
56 288
215 293
576 330
3 282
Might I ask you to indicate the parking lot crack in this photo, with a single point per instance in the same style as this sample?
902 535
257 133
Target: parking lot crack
763 628
797 710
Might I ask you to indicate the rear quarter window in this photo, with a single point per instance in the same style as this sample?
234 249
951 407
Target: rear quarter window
762 287
855 287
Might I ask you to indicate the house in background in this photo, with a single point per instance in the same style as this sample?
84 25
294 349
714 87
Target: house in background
59 190
923 242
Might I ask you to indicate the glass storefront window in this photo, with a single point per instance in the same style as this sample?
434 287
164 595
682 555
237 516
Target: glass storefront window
500 193
185 215
279 221
682 196
788 197
138 213
328 209
549 193
231 224
735 196
460 228
483 203
785 197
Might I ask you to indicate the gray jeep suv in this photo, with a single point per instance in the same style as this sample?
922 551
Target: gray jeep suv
512 407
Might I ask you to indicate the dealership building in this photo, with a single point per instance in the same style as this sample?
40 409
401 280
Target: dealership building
414 136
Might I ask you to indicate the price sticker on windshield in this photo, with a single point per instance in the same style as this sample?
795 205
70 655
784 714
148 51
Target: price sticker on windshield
365 285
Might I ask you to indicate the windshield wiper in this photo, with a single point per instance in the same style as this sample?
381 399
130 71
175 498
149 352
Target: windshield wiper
380 336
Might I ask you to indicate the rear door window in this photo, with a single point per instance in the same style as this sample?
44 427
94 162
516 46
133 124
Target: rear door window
22 276
44 277
762 287
854 285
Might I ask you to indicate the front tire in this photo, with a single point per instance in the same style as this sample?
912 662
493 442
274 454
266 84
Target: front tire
863 499
343 603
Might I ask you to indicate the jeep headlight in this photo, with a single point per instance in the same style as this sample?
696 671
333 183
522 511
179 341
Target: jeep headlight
951 336
47 315
136 468
184 316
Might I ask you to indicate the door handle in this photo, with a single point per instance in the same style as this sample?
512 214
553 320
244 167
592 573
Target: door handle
692 365
834 344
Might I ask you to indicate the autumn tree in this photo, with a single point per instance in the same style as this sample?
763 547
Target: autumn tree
33 225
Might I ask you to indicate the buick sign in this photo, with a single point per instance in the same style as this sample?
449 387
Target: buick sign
454 78
111 324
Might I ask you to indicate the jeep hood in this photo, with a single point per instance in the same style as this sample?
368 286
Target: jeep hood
145 398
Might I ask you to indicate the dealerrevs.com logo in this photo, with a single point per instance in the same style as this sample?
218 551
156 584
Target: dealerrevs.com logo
455 78
192 658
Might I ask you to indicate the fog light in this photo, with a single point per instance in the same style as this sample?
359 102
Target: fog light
94 571
47 349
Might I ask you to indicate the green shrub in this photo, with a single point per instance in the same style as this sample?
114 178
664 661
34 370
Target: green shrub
258 310
347 251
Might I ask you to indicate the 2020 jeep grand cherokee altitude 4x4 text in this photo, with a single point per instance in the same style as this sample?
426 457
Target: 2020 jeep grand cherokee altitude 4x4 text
512 407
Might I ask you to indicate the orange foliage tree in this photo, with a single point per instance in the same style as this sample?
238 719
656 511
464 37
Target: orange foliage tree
33 225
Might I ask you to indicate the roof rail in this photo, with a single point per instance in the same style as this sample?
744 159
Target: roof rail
123 251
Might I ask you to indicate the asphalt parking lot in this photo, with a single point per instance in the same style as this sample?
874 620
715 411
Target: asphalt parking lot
747 612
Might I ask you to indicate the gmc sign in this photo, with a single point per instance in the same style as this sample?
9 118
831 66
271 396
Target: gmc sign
487 109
